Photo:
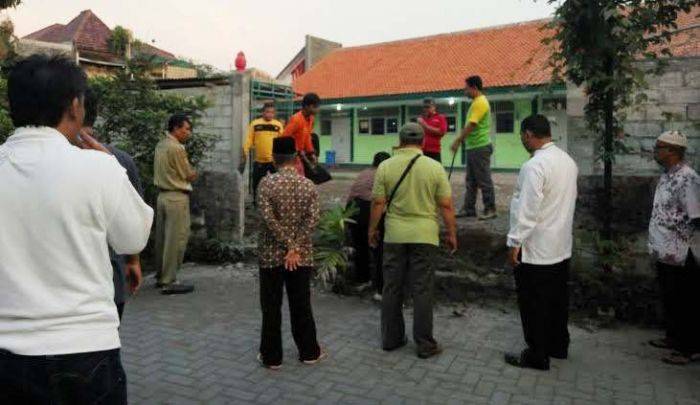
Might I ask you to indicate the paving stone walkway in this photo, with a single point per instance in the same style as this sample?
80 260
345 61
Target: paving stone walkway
201 349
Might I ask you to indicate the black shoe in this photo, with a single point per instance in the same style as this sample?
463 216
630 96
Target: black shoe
428 353
522 360
403 343
176 288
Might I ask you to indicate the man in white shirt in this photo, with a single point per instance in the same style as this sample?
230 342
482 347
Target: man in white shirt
540 239
60 208
675 222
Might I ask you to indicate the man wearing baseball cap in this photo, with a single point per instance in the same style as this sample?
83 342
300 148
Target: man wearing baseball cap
675 221
409 191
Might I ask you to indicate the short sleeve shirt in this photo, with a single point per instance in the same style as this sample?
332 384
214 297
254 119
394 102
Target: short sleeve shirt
479 114
676 205
171 168
412 216
431 141
300 128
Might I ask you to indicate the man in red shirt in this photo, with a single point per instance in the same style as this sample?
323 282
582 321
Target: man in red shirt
300 127
434 126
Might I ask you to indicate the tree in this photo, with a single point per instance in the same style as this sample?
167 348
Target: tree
9 3
7 57
133 115
598 44
119 41
6 126
205 71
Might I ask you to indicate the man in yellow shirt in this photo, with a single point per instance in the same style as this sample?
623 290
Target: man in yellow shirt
173 175
261 133
479 150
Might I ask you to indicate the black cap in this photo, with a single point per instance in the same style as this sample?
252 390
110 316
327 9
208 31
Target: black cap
284 146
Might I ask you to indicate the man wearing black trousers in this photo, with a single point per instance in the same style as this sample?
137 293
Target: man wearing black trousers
289 211
540 241
361 197
674 241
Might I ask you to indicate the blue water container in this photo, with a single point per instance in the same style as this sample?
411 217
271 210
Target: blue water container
330 157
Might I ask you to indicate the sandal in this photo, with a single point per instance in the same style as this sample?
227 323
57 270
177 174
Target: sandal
322 356
267 366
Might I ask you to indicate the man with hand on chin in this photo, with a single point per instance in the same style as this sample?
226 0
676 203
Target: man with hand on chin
289 211
540 240
60 209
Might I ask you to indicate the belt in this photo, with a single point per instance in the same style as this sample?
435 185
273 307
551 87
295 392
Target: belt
163 190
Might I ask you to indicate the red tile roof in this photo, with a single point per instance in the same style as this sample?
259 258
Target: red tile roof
503 56
509 55
148 49
89 34
687 41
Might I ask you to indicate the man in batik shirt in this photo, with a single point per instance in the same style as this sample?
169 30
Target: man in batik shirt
674 225
289 209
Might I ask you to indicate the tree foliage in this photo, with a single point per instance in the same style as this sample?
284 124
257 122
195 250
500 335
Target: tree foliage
599 44
133 115
9 3
331 258
6 126
7 56
119 41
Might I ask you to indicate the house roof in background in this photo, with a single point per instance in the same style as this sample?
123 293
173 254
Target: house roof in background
91 34
686 42
504 56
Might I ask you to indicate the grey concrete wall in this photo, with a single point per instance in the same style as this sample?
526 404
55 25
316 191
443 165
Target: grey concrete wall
673 103
317 49
218 199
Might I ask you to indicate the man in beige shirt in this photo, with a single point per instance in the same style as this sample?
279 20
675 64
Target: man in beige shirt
173 175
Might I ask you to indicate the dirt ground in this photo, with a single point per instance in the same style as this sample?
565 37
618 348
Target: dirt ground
335 192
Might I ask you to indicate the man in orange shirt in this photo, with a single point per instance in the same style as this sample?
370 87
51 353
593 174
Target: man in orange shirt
300 127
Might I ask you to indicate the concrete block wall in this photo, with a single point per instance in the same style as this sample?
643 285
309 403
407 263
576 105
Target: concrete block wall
218 199
673 103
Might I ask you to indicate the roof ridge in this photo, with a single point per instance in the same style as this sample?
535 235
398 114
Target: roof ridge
446 34
42 30
81 25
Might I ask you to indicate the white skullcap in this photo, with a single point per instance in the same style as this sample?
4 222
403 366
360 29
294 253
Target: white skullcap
673 138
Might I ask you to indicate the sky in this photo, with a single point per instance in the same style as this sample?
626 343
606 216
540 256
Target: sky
272 32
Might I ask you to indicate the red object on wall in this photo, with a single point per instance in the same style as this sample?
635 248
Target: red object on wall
240 62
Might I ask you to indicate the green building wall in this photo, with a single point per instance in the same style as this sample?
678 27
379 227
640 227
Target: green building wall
508 149
509 153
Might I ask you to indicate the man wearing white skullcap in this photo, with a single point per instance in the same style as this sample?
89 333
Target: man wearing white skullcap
675 222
